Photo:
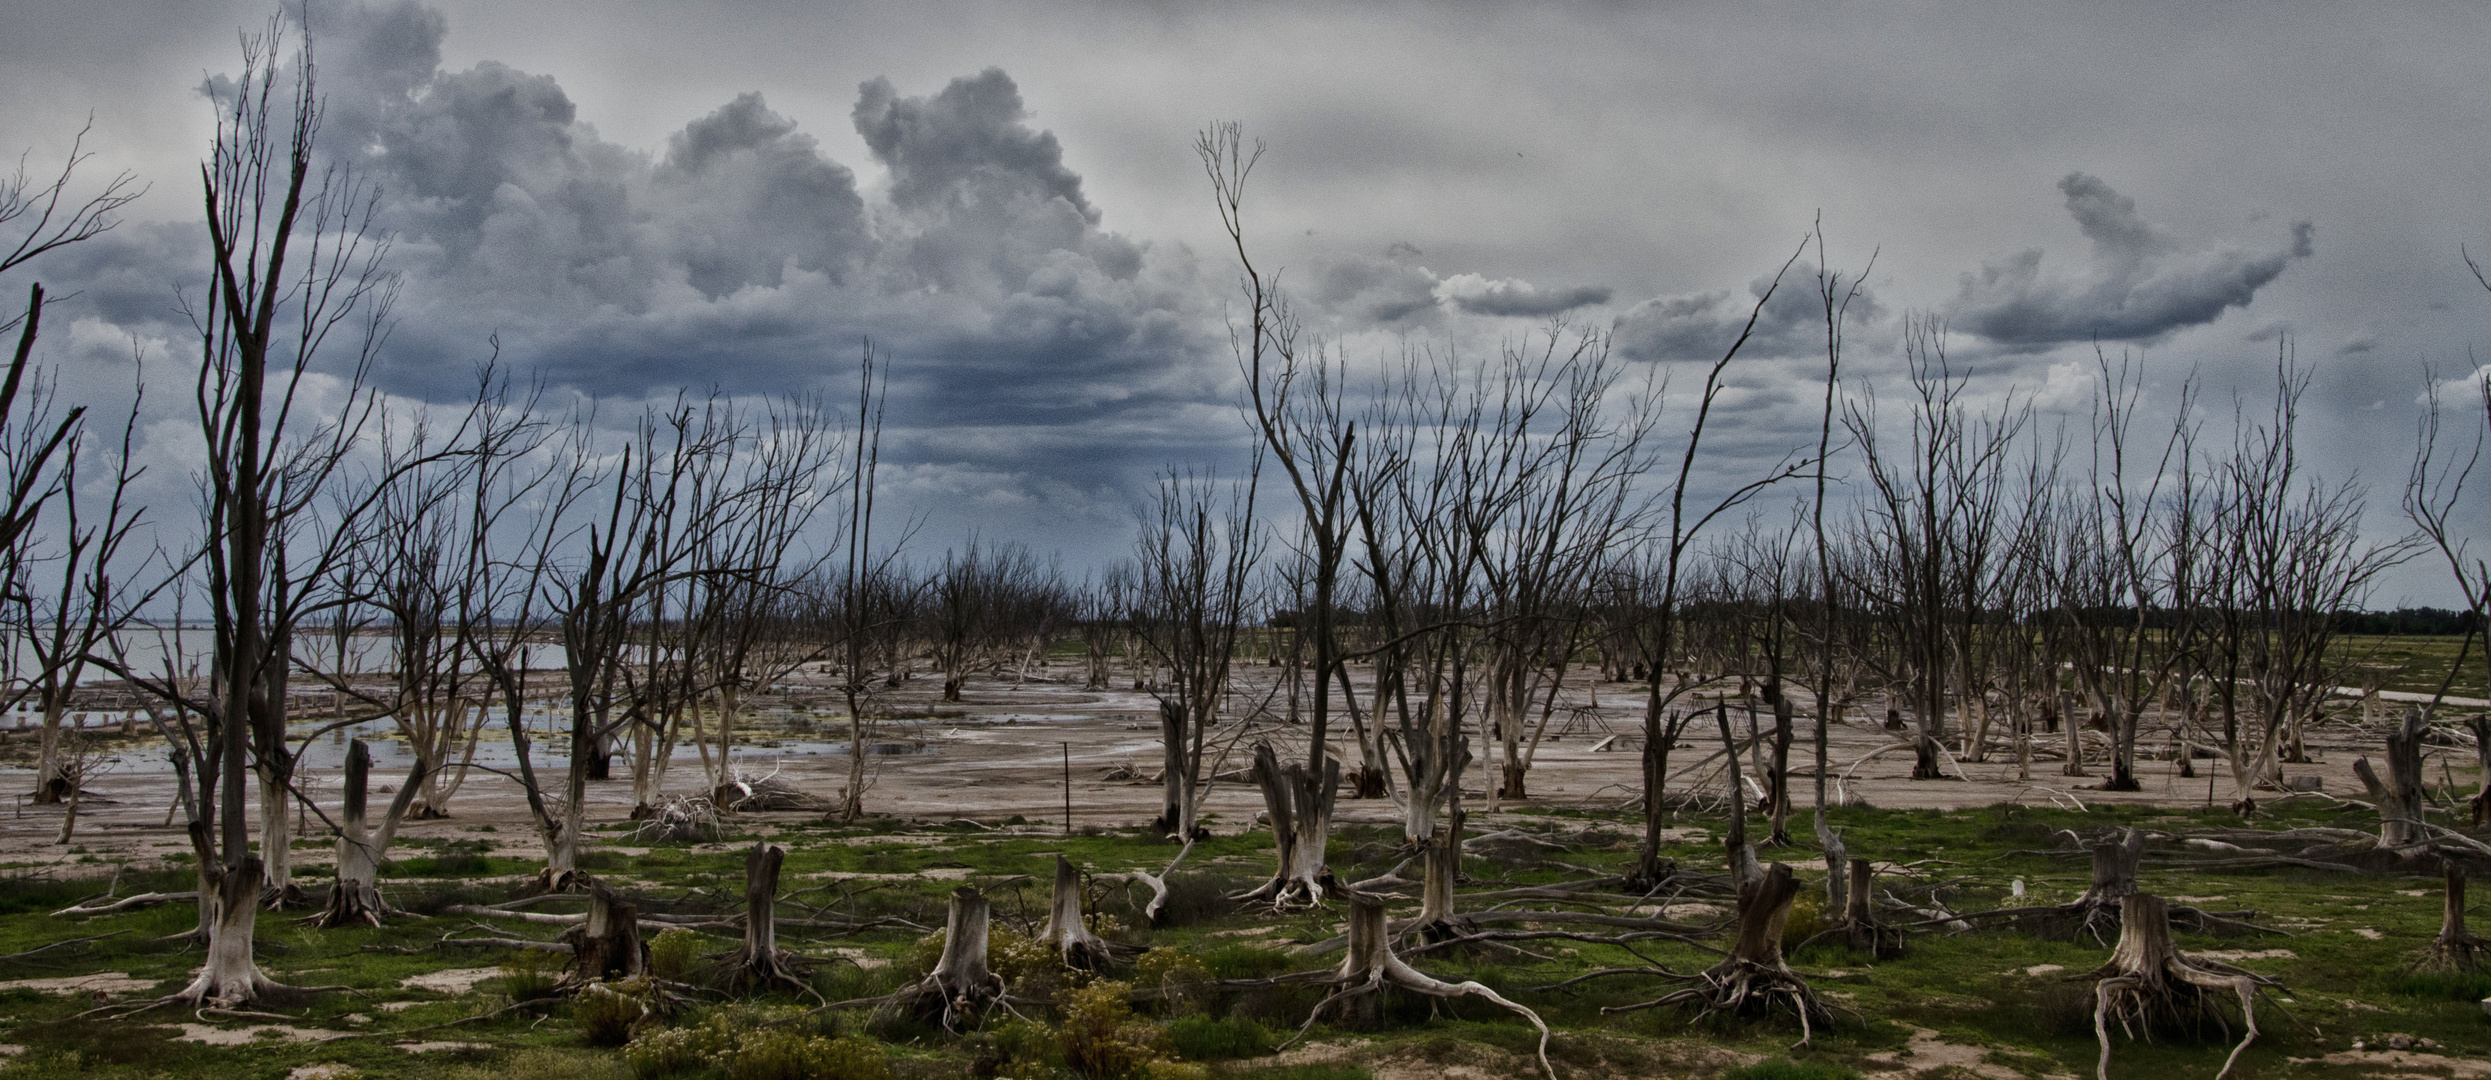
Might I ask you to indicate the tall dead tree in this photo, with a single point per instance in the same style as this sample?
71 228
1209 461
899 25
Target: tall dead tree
1294 403
1192 588
1659 586
293 261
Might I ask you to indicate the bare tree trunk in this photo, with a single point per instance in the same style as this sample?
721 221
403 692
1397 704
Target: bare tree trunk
608 945
2481 803
356 897
2455 949
761 962
1065 930
230 975
2400 797
1300 805
1777 783
1369 966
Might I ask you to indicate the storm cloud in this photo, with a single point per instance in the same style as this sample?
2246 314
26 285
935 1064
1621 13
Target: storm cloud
2141 283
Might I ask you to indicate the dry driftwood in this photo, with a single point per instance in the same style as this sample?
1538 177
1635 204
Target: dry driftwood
2149 982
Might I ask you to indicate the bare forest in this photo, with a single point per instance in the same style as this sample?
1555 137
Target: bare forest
1508 713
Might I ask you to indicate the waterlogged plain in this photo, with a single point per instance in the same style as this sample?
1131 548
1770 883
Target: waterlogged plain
1993 1003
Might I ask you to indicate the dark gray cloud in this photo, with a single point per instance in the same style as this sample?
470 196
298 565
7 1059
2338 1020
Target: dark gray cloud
2141 283
1480 296
1703 325
1395 292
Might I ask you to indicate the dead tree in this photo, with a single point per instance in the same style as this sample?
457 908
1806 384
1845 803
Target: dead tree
1370 967
2399 797
1442 862
1067 932
356 897
2149 983
1754 980
1190 591
760 962
1300 806
606 946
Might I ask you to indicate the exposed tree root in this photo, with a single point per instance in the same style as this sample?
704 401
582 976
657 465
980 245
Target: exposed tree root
1068 933
760 962
2456 948
1371 967
961 987
2149 982
1300 805
1753 981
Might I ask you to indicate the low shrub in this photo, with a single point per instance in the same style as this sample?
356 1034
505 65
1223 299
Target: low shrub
2446 985
1204 1038
529 974
672 952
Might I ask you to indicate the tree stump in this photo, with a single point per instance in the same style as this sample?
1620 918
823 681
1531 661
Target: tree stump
607 945
1754 980
1860 926
1066 932
1300 805
1370 966
2149 982
2400 797
1437 920
356 897
760 962
960 986
2455 949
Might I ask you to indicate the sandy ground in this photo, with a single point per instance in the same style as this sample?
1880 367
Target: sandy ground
1003 752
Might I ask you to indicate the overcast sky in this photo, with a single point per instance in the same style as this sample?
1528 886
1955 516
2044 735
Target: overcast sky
637 197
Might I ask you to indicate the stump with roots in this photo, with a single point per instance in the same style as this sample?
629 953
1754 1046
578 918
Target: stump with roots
606 945
1300 805
1436 919
961 986
760 962
1370 967
2116 856
2149 982
2399 797
1067 933
1753 981
1860 926
2455 949
356 897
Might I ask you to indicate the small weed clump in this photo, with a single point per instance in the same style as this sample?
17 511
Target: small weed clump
529 974
1182 979
755 1046
671 953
